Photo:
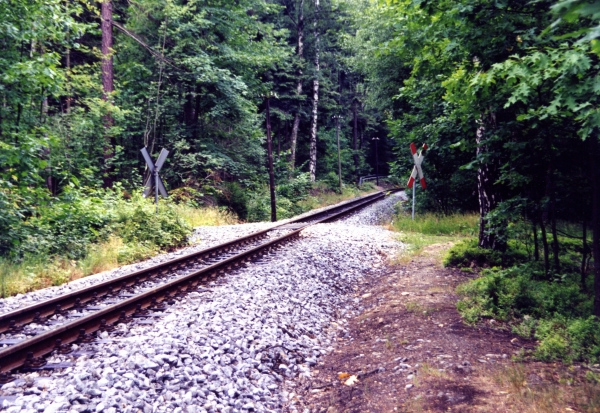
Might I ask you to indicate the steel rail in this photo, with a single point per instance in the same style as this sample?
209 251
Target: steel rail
38 312
29 352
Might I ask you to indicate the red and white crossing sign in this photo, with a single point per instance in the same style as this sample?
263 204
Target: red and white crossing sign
418 157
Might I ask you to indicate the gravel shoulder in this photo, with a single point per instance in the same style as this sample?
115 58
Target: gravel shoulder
242 342
202 238
409 351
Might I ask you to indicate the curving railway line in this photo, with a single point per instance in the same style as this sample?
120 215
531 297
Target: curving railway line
30 334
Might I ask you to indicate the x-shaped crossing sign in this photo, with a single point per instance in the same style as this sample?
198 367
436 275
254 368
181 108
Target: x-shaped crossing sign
154 183
417 169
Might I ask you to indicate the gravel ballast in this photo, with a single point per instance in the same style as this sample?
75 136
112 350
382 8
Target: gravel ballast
233 345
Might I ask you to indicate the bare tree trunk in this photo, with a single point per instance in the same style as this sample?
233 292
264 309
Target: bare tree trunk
300 53
107 87
550 210
68 78
270 158
546 248
584 254
312 164
355 137
594 153
488 193
536 249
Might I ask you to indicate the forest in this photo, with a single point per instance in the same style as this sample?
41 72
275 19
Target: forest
505 94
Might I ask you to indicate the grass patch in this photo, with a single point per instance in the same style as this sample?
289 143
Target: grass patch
461 225
428 370
564 394
419 309
205 217
429 229
468 254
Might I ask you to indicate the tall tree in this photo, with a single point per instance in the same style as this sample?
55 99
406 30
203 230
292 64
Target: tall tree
107 88
312 166
299 23
270 160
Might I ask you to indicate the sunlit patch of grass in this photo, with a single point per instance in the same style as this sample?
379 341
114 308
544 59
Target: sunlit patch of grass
465 225
102 257
431 229
201 217
428 370
35 273
419 309
549 396
440 289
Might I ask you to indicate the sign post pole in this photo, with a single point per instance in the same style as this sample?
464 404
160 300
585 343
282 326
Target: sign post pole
413 208
418 157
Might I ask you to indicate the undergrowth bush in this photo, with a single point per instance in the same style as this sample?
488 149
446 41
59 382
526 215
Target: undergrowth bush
137 222
66 228
84 232
467 253
235 198
299 195
555 312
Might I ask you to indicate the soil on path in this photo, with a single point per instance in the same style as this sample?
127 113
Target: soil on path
409 351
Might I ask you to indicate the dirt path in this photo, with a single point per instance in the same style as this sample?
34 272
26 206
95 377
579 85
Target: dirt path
410 352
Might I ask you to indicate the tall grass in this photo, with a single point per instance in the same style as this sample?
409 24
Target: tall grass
427 229
465 225
204 217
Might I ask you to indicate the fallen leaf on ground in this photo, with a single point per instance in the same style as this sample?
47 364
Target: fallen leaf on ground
351 381
342 376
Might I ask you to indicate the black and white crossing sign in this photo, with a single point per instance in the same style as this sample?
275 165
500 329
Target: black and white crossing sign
154 184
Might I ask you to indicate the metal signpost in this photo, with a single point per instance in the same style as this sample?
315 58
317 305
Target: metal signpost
416 171
376 160
154 182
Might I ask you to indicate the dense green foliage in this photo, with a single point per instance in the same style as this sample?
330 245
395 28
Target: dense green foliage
558 314
467 253
505 94
69 225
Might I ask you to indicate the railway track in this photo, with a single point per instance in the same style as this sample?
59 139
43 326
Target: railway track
32 333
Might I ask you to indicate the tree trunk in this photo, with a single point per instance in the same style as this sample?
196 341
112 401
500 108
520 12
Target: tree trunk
487 174
550 213
270 158
585 247
536 249
107 88
546 249
68 79
300 53
355 138
197 107
312 164
594 154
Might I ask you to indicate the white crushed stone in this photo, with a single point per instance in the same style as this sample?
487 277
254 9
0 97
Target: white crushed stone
233 345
